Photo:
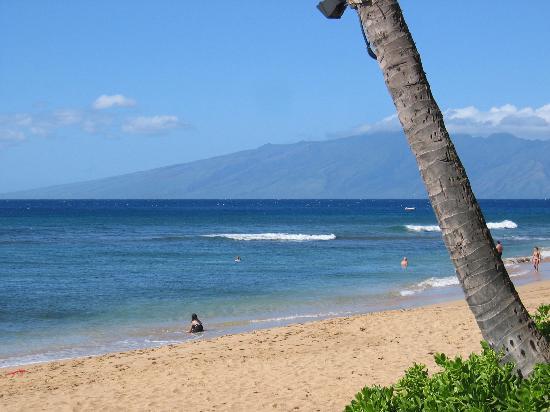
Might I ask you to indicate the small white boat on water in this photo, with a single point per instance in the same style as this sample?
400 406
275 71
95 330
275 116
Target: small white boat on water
409 209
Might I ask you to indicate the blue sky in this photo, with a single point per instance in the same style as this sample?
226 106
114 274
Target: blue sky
94 89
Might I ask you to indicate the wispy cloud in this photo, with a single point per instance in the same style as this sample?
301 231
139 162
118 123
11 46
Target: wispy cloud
116 100
10 135
526 122
10 129
67 117
152 124
23 125
17 127
387 124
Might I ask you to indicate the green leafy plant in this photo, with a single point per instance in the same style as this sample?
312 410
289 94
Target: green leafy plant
542 320
479 384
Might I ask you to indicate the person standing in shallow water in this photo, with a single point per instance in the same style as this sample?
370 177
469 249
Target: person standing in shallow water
536 258
499 248
196 324
404 262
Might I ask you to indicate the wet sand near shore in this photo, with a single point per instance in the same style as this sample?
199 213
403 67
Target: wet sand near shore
316 366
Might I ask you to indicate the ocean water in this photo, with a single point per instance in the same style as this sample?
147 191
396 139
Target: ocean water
87 277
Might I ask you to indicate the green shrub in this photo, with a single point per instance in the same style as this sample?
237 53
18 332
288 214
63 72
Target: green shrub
542 320
479 383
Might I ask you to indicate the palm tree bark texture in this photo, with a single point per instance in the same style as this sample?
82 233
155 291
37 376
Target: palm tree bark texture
504 322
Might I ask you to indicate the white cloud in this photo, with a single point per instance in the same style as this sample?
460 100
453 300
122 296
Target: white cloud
152 125
387 124
22 126
526 122
106 101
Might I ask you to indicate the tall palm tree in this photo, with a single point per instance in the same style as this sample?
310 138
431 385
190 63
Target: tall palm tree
502 318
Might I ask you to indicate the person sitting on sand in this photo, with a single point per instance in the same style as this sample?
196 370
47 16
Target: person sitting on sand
404 262
196 324
536 258
499 248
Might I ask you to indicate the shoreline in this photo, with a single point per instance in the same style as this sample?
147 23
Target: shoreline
317 365
518 269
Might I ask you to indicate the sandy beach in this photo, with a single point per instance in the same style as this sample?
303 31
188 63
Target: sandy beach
316 366
199 211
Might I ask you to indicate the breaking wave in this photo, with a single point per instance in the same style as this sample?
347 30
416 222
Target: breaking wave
430 283
283 237
505 224
421 228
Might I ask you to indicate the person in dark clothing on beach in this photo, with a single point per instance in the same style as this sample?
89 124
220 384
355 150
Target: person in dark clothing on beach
499 248
196 324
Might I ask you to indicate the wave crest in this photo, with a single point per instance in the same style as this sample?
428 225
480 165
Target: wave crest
432 282
505 224
423 228
283 237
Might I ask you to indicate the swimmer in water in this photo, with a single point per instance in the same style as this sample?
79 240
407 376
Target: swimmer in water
404 262
536 258
196 324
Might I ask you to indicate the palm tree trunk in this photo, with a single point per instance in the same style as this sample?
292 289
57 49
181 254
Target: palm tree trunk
502 318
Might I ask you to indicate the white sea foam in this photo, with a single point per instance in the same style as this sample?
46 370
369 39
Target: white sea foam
439 282
284 237
545 253
519 273
422 228
529 238
432 282
305 316
505 224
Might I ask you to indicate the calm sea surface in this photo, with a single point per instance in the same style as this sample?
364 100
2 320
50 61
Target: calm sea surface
88 277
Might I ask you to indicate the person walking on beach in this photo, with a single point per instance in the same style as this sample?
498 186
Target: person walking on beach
499 248
404 262
536 258
196 324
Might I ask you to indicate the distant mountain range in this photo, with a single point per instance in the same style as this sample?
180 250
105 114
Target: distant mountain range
368 166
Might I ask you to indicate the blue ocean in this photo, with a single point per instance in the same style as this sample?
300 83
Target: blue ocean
84 277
